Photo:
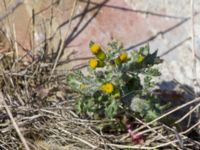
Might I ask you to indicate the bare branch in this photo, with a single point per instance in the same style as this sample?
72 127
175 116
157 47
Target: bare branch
11 9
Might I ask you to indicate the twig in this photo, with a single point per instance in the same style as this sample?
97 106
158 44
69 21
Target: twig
11 9
77 138
191 111
15 42
194 71
128 146
196 84
33 32
177 135
165 144
140 146
173 144
164 115
14 123
170 112
192 127
3 143
63 42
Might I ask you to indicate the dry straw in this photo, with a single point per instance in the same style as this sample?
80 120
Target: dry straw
36 112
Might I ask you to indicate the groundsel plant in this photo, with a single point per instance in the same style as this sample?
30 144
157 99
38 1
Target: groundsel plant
113 85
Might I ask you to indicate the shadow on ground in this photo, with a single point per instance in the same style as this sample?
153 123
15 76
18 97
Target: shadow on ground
168 92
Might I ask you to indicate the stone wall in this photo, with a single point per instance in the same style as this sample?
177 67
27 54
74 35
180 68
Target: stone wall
165 25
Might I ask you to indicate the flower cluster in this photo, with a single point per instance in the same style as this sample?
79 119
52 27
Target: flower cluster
99 61
96 49
100 56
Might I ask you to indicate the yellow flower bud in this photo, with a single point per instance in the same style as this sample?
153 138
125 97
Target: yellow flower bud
93 63
140 58
123 57
101 55
95 48
107 88
118 61
82 86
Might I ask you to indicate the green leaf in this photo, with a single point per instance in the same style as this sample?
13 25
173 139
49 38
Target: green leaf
151 115
133 83
152 59
73 80
152 72
147 82
115 48
79 106
111 109
135 56
144 50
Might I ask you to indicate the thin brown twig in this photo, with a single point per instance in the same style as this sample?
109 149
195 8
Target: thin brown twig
140 146
63 43
128 146
177 135
192 127
164 115
77 138
15 42
170 112
11 9
187 114
173 144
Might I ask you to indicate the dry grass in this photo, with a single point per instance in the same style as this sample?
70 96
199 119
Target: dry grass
36 112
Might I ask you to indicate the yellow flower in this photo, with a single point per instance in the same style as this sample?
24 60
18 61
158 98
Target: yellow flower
82 86
95 48
123 57
93 63
107 88
97 51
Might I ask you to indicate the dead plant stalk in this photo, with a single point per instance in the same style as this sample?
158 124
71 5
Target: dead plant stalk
14 123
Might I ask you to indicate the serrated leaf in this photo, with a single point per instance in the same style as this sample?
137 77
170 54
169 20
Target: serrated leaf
150 59
152 72
111 109
115 48
73 81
